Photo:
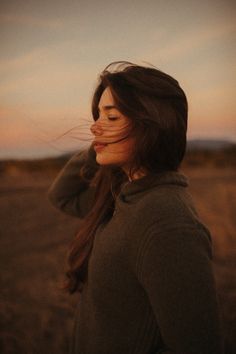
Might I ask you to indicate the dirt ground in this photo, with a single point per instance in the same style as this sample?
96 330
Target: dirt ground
36 316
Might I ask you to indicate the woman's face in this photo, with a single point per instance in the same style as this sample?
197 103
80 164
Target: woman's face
112 140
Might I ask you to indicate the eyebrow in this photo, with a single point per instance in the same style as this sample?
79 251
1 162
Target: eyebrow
107 108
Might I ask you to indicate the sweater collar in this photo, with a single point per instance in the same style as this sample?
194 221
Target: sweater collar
152 180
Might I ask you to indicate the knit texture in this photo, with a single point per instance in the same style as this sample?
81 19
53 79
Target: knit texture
150 286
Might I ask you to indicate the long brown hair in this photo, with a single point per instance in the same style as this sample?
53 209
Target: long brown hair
158 109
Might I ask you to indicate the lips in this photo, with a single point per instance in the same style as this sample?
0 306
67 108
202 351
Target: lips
98 146
98 143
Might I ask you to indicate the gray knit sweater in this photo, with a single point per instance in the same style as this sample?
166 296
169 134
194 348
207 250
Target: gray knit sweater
150 285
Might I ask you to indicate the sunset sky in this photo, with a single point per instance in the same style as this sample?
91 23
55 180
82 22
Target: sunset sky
52 52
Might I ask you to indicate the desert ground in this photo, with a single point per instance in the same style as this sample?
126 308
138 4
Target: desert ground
36 316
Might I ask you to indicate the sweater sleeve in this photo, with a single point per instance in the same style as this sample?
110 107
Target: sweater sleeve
176 273
70 192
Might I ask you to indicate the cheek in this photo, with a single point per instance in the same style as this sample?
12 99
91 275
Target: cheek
114 132
123 149
128 148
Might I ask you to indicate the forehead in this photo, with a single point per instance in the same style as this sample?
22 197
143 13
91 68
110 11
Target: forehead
106 100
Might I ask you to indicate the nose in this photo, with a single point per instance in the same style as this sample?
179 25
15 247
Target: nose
96 129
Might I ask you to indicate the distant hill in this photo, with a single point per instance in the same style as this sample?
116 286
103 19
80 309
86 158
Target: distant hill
209 144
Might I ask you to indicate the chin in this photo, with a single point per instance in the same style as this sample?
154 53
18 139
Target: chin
104 160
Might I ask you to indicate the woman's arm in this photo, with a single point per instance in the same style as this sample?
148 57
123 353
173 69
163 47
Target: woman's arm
176 273
70 192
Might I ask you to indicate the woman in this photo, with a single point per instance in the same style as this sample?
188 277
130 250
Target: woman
142 257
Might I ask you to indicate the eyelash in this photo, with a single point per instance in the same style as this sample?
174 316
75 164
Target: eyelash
112 118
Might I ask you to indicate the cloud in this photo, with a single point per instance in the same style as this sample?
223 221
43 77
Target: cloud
48 74
29 20
60 54
21 126
186 42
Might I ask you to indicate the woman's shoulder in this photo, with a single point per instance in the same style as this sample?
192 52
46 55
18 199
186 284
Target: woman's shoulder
162 200
168 207
167 201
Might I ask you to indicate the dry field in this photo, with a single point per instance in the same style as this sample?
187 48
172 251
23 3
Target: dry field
36 317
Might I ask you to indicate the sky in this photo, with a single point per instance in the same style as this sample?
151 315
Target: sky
52 52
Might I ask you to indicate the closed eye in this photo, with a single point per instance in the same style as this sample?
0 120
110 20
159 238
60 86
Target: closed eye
113 118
